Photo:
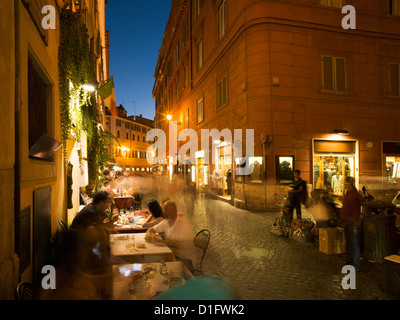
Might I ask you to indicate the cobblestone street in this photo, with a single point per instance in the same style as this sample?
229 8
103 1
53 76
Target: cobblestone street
262 266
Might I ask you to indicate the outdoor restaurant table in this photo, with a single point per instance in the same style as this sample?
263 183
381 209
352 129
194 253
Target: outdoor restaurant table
124 202
127 248
122 279
140 218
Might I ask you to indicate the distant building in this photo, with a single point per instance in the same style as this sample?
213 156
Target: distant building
131 131
326 99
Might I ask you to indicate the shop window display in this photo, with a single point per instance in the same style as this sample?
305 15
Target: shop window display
284 169
256 169
330 173
392 168
224 166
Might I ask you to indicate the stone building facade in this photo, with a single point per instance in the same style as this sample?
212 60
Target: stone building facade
326 99
131 131
33 193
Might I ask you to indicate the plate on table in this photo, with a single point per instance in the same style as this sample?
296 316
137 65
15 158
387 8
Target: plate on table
139 290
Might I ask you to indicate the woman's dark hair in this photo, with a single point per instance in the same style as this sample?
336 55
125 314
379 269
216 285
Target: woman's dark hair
155 208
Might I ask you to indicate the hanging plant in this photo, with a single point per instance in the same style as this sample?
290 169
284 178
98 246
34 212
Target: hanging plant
79 108
75 67
99 143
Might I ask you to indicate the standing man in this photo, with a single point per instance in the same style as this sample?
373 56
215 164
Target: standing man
351 219
298 195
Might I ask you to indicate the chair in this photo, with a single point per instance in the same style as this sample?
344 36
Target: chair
63 225
23 291
138 201
201 240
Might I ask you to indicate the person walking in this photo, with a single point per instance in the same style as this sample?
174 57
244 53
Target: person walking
351 221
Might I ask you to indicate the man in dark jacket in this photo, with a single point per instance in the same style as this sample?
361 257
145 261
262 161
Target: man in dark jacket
351 220
298 195
94 214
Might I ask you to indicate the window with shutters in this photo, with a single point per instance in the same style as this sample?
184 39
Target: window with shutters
221 20
334 74
169 70
39 91
177 90
199 55
186 77
186 120
394 7
394 83
184 33
200 110
222 92
333 3
176 54
197 5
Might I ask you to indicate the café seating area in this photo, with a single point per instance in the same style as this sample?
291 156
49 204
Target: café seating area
139 268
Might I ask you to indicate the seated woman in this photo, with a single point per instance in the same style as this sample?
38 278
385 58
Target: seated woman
156 214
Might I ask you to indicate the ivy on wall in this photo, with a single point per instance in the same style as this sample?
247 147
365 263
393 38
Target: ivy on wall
79 108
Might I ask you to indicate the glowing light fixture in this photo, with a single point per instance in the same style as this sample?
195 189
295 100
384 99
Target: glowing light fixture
89 86
341 132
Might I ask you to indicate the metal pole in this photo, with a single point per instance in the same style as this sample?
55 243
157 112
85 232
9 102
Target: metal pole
265 177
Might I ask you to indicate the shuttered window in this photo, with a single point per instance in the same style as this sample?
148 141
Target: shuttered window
221 20
394 79
222 92
395 7
38 97
199 55
200 110
333 3
334 74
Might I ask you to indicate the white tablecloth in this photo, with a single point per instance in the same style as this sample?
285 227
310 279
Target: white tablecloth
133 248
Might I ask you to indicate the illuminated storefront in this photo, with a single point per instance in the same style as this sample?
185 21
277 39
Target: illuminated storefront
333 161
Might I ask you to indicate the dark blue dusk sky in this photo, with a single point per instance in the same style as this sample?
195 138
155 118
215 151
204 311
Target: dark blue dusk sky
136 32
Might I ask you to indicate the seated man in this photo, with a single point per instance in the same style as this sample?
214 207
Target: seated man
178 235
95 214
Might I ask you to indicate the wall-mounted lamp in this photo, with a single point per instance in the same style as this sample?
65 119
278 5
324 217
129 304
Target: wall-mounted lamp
169 117
89 86
341 132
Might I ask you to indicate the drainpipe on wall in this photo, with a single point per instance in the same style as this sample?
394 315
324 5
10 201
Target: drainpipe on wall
17 164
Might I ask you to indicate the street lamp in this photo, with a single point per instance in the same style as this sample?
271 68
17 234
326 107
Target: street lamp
169 117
